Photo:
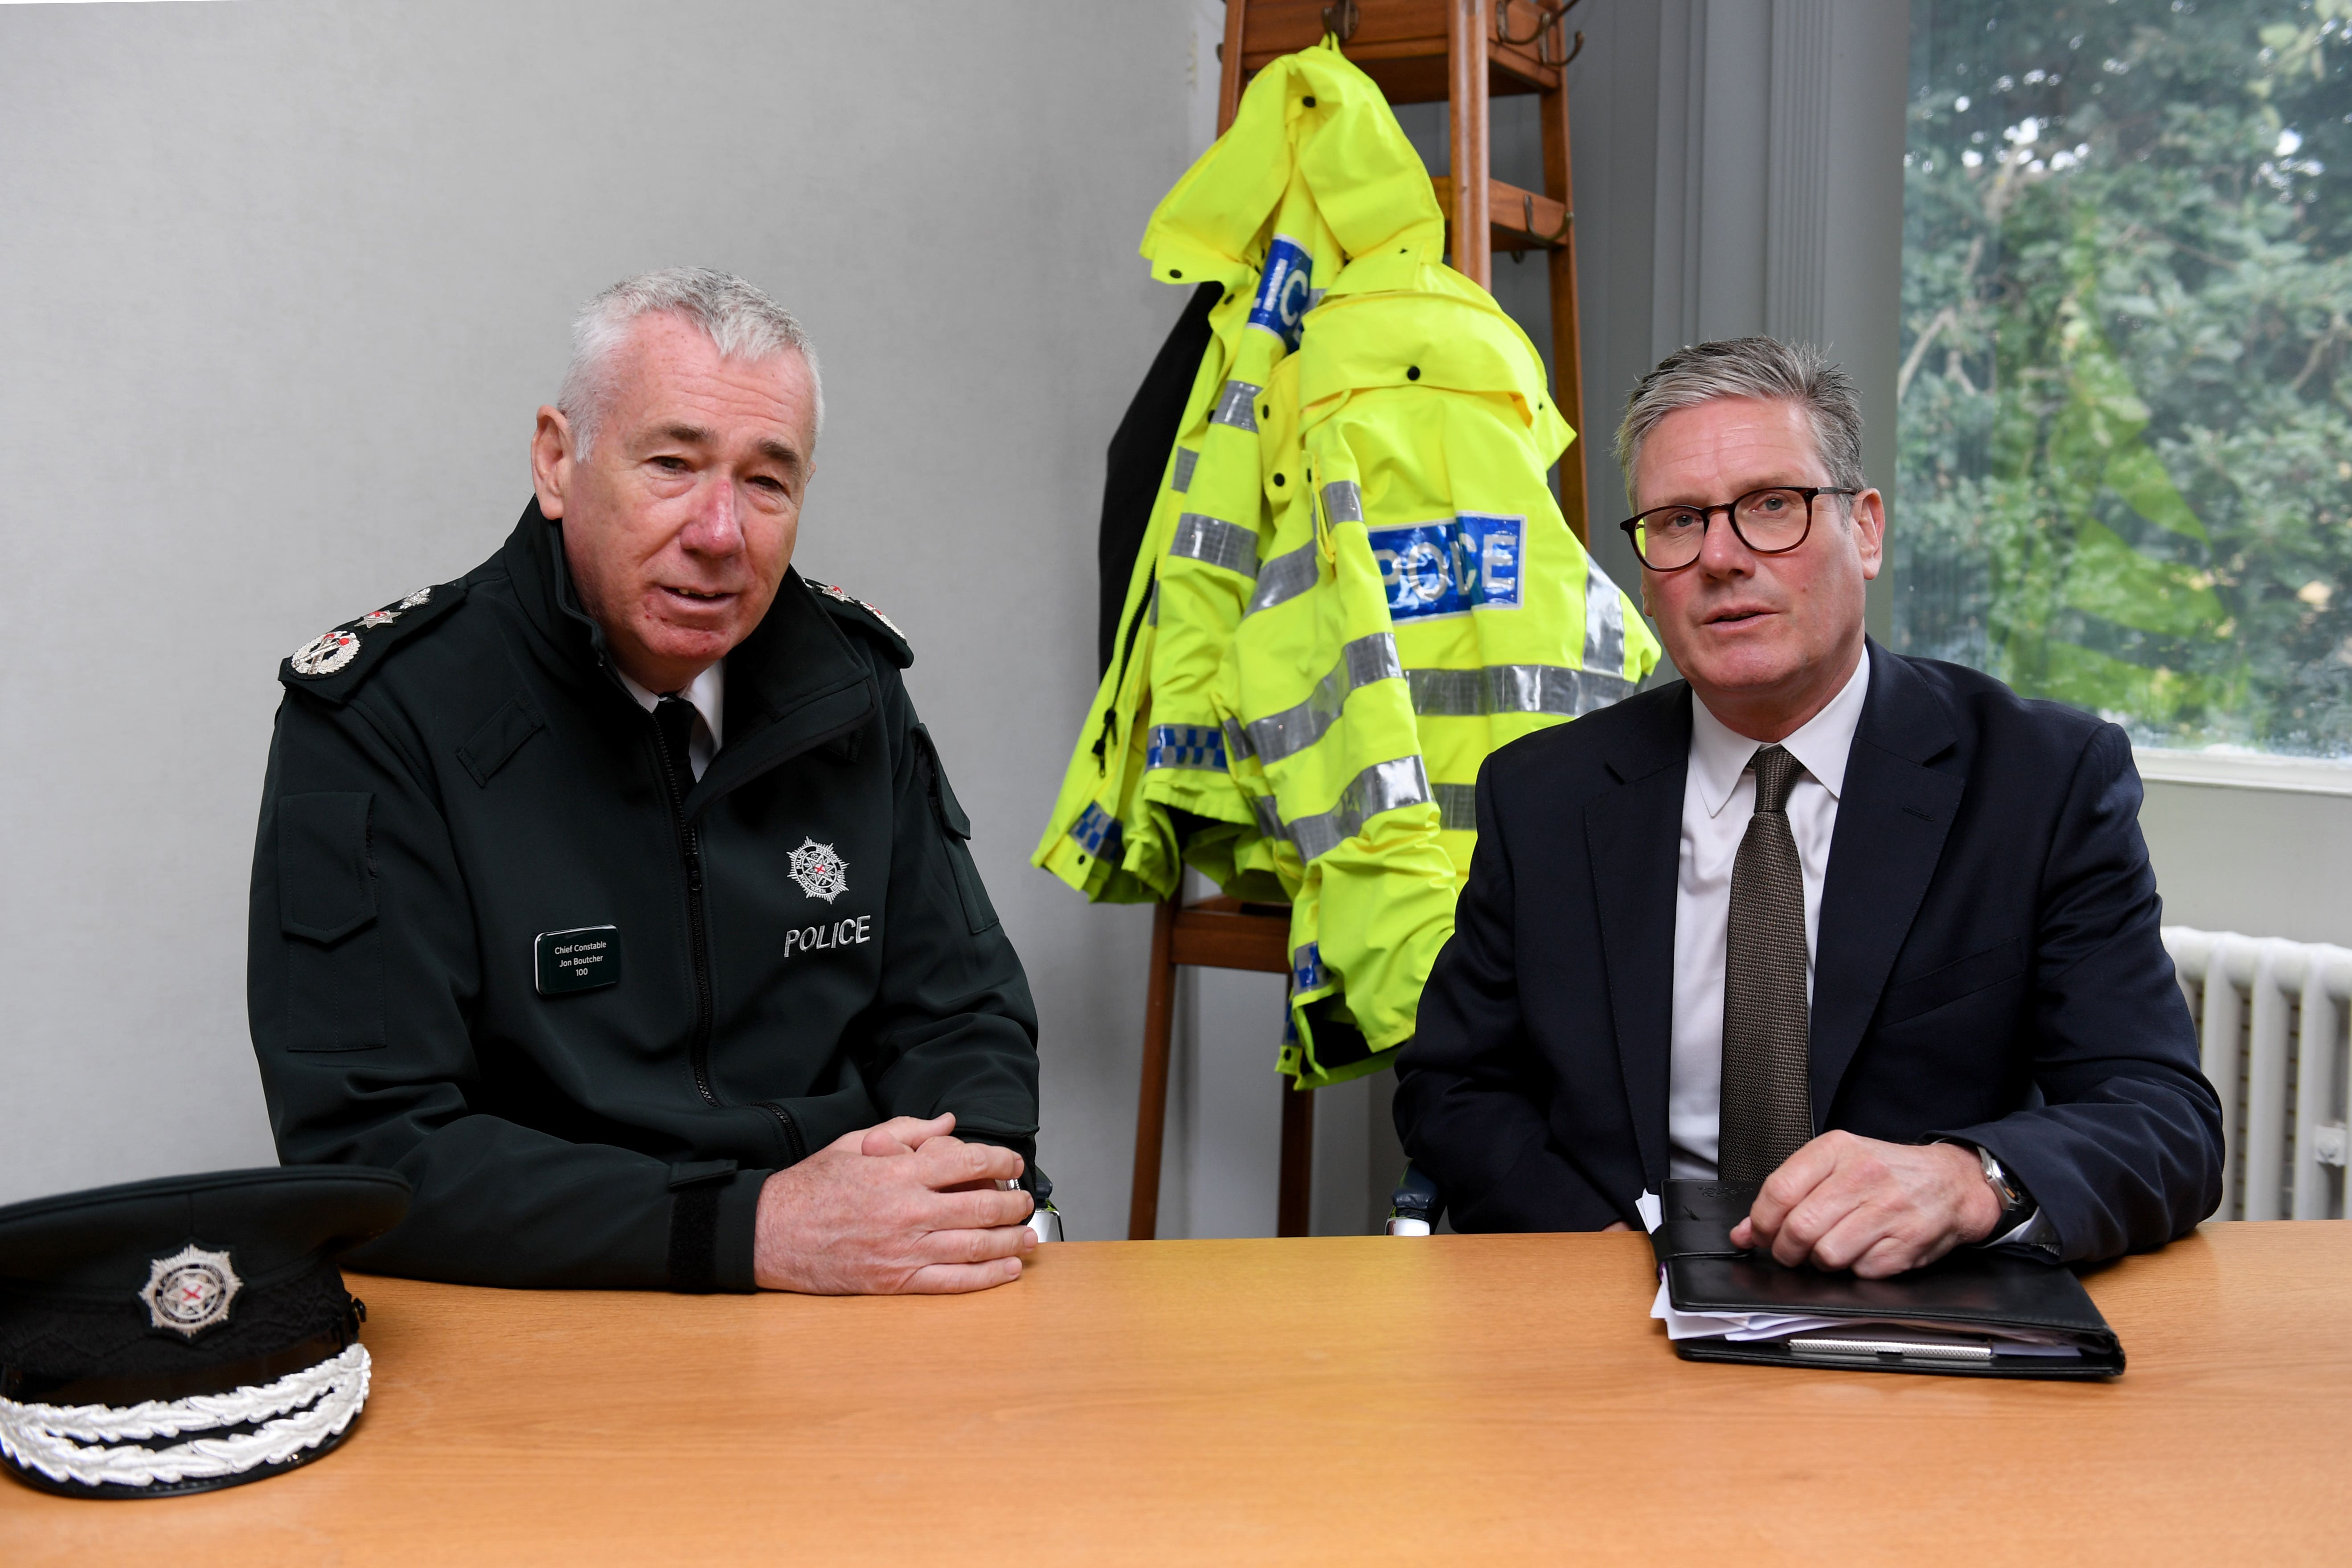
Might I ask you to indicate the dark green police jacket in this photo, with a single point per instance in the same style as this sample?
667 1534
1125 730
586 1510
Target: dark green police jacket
493 949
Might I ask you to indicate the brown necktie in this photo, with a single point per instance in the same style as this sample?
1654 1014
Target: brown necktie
1768 1103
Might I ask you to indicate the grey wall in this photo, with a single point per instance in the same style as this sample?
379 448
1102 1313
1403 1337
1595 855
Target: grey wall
281 288
2243 857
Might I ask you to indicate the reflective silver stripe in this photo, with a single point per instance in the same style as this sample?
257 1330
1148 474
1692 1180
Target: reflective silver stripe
1458 806
1292 731
1186 460
1383 786
1370 659
1269 820
1237 406
1343 502
1237 741
1306 967
1514 689
1151 610
1315 297
1202 537
1604 623
1285 577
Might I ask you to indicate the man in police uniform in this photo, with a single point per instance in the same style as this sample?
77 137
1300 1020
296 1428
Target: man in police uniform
613 894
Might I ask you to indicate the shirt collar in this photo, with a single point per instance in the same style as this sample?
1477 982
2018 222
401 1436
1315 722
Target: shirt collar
1719 753
707 692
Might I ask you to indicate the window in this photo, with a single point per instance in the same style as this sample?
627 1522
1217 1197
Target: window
2125 393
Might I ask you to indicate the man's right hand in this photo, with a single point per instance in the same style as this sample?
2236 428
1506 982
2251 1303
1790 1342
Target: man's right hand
901 1207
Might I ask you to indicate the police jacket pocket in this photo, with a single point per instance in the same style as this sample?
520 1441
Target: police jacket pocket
978 914
327 902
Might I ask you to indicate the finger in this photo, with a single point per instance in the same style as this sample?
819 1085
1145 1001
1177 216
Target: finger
955 1279
903 1134
977 1208
1801 1229
1864 1231
1894 1254
1743 1235
1787 1188
976 1246
946 1161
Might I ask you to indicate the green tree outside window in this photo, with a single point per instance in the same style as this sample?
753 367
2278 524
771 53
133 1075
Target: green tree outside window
2125 404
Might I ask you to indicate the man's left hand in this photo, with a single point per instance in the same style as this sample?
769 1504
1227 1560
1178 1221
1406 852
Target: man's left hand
1844 1202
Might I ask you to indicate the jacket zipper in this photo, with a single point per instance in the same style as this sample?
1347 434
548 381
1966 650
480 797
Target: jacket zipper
697 1050
795 1145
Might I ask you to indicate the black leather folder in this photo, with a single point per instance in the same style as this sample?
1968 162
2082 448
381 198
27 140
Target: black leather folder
1971 1313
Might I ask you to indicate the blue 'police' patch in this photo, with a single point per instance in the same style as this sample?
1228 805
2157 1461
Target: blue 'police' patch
1282 289
1450 567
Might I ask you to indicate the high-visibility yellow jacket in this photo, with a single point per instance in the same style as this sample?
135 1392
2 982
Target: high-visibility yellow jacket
1247 214
1423 603
1327 660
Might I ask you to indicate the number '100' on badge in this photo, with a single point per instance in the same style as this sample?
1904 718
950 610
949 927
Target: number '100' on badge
582 959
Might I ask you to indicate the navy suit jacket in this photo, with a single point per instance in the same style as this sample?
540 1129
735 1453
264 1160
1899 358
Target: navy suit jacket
1987 967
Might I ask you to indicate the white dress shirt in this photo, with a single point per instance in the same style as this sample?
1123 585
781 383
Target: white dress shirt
708 692
1718 798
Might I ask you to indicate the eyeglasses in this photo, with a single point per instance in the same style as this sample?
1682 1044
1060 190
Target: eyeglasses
1769 521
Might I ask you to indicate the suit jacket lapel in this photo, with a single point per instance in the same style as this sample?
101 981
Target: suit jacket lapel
1892 820
1632 835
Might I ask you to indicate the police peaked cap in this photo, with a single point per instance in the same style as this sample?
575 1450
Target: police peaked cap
186 1334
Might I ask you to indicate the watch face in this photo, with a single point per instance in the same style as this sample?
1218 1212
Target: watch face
2012 1199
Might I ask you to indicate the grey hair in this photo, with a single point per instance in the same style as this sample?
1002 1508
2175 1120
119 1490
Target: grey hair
1750 367
741 321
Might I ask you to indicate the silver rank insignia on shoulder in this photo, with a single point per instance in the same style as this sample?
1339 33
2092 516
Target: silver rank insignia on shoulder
189 1291
821 873
327 653
331 650
847 598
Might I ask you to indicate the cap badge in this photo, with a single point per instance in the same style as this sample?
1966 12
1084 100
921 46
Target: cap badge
189 1291
821 873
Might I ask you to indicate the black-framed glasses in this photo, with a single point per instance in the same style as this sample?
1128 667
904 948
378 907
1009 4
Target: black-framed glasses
1769 521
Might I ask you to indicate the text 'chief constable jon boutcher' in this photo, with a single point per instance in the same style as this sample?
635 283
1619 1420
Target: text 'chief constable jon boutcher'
697 991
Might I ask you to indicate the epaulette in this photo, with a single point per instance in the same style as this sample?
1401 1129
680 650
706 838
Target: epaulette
847 606
332 664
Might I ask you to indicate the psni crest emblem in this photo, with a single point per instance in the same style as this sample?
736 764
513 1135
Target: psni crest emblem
821 873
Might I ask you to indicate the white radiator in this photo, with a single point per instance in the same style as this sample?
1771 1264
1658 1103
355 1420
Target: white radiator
2271 1019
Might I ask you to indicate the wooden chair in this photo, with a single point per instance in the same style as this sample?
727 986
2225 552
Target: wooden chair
1215 933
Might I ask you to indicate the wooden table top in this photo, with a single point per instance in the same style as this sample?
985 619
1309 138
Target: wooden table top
1357 1400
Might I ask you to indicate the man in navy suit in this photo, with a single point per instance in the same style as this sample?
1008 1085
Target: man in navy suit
1872 933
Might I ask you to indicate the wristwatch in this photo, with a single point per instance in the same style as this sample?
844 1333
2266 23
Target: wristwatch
2012 1197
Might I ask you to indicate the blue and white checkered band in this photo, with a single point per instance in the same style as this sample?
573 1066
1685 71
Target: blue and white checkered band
1199 746
1094 829
1306 967
1450 567
1281 290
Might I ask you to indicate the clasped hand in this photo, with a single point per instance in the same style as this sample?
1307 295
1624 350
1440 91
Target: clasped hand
901 1207
1846 1202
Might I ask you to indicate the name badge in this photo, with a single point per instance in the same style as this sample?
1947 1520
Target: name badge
584 959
